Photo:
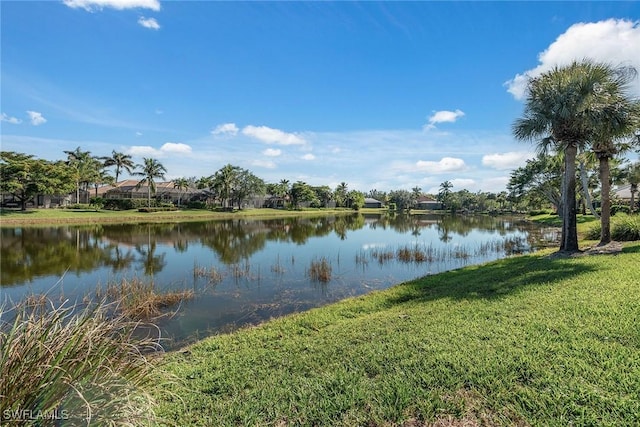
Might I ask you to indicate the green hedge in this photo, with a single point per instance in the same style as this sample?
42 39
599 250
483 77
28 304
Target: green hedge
127 204
158 209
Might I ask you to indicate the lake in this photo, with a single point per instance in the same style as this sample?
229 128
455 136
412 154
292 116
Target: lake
246 271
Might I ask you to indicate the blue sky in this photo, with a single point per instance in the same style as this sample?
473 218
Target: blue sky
384 95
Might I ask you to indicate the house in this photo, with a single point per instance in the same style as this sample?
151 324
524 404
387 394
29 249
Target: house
129 189
623 192
372 203
428 203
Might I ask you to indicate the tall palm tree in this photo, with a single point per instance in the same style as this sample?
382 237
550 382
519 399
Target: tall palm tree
341 194
120 161
633 176
224 181
81 164
181 184
150 170
445 193
613 135
562 108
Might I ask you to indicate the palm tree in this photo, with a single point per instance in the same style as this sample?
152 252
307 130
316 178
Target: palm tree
613 135
445 193
223 182
341 194
81 164
562 108
120 161
150 169
633 176
181 184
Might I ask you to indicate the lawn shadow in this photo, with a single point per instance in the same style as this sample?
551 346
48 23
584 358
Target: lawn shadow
493 280
15 212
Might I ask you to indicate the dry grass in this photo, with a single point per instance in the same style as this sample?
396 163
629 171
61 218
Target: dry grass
67 365
140 300
210 273
320 270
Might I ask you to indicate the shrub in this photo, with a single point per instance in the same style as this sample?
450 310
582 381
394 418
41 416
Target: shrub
158 209
124 204
197 205
540 212
79 206
619 209
71 365
624 228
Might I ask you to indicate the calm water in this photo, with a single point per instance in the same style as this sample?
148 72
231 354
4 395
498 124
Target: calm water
253 269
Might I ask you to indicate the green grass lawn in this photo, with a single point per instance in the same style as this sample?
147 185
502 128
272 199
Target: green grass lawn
48 217
529 340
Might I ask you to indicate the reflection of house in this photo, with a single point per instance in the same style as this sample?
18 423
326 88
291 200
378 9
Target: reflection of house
428 203
372 203
129 189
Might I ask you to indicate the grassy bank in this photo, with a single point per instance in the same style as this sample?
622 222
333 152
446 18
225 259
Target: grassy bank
49 217
530 340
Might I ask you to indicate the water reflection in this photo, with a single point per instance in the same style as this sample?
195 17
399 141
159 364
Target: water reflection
245 271
28 253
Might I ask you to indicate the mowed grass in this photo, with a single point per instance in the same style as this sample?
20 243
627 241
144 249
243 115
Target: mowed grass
49 217
529 340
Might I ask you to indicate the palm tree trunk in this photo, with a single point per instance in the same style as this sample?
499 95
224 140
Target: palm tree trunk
570 222
584 180
632 206
605 218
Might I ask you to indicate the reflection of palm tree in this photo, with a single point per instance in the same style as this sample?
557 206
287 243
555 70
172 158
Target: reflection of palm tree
121 261
150 170
152 263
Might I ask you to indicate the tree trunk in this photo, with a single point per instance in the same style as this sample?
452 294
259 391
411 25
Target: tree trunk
632 207
570 222
605 218
584 180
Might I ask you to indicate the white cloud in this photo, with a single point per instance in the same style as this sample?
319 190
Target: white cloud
268 164
138 133
273 136
169 148
272 152
308 156
91 5
225 129
8 119
175 148
150 23
144 151
614 41
446 164
443 116
462 183
504 161
36 118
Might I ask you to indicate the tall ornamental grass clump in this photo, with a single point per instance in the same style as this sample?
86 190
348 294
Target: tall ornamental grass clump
624 228
70 365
